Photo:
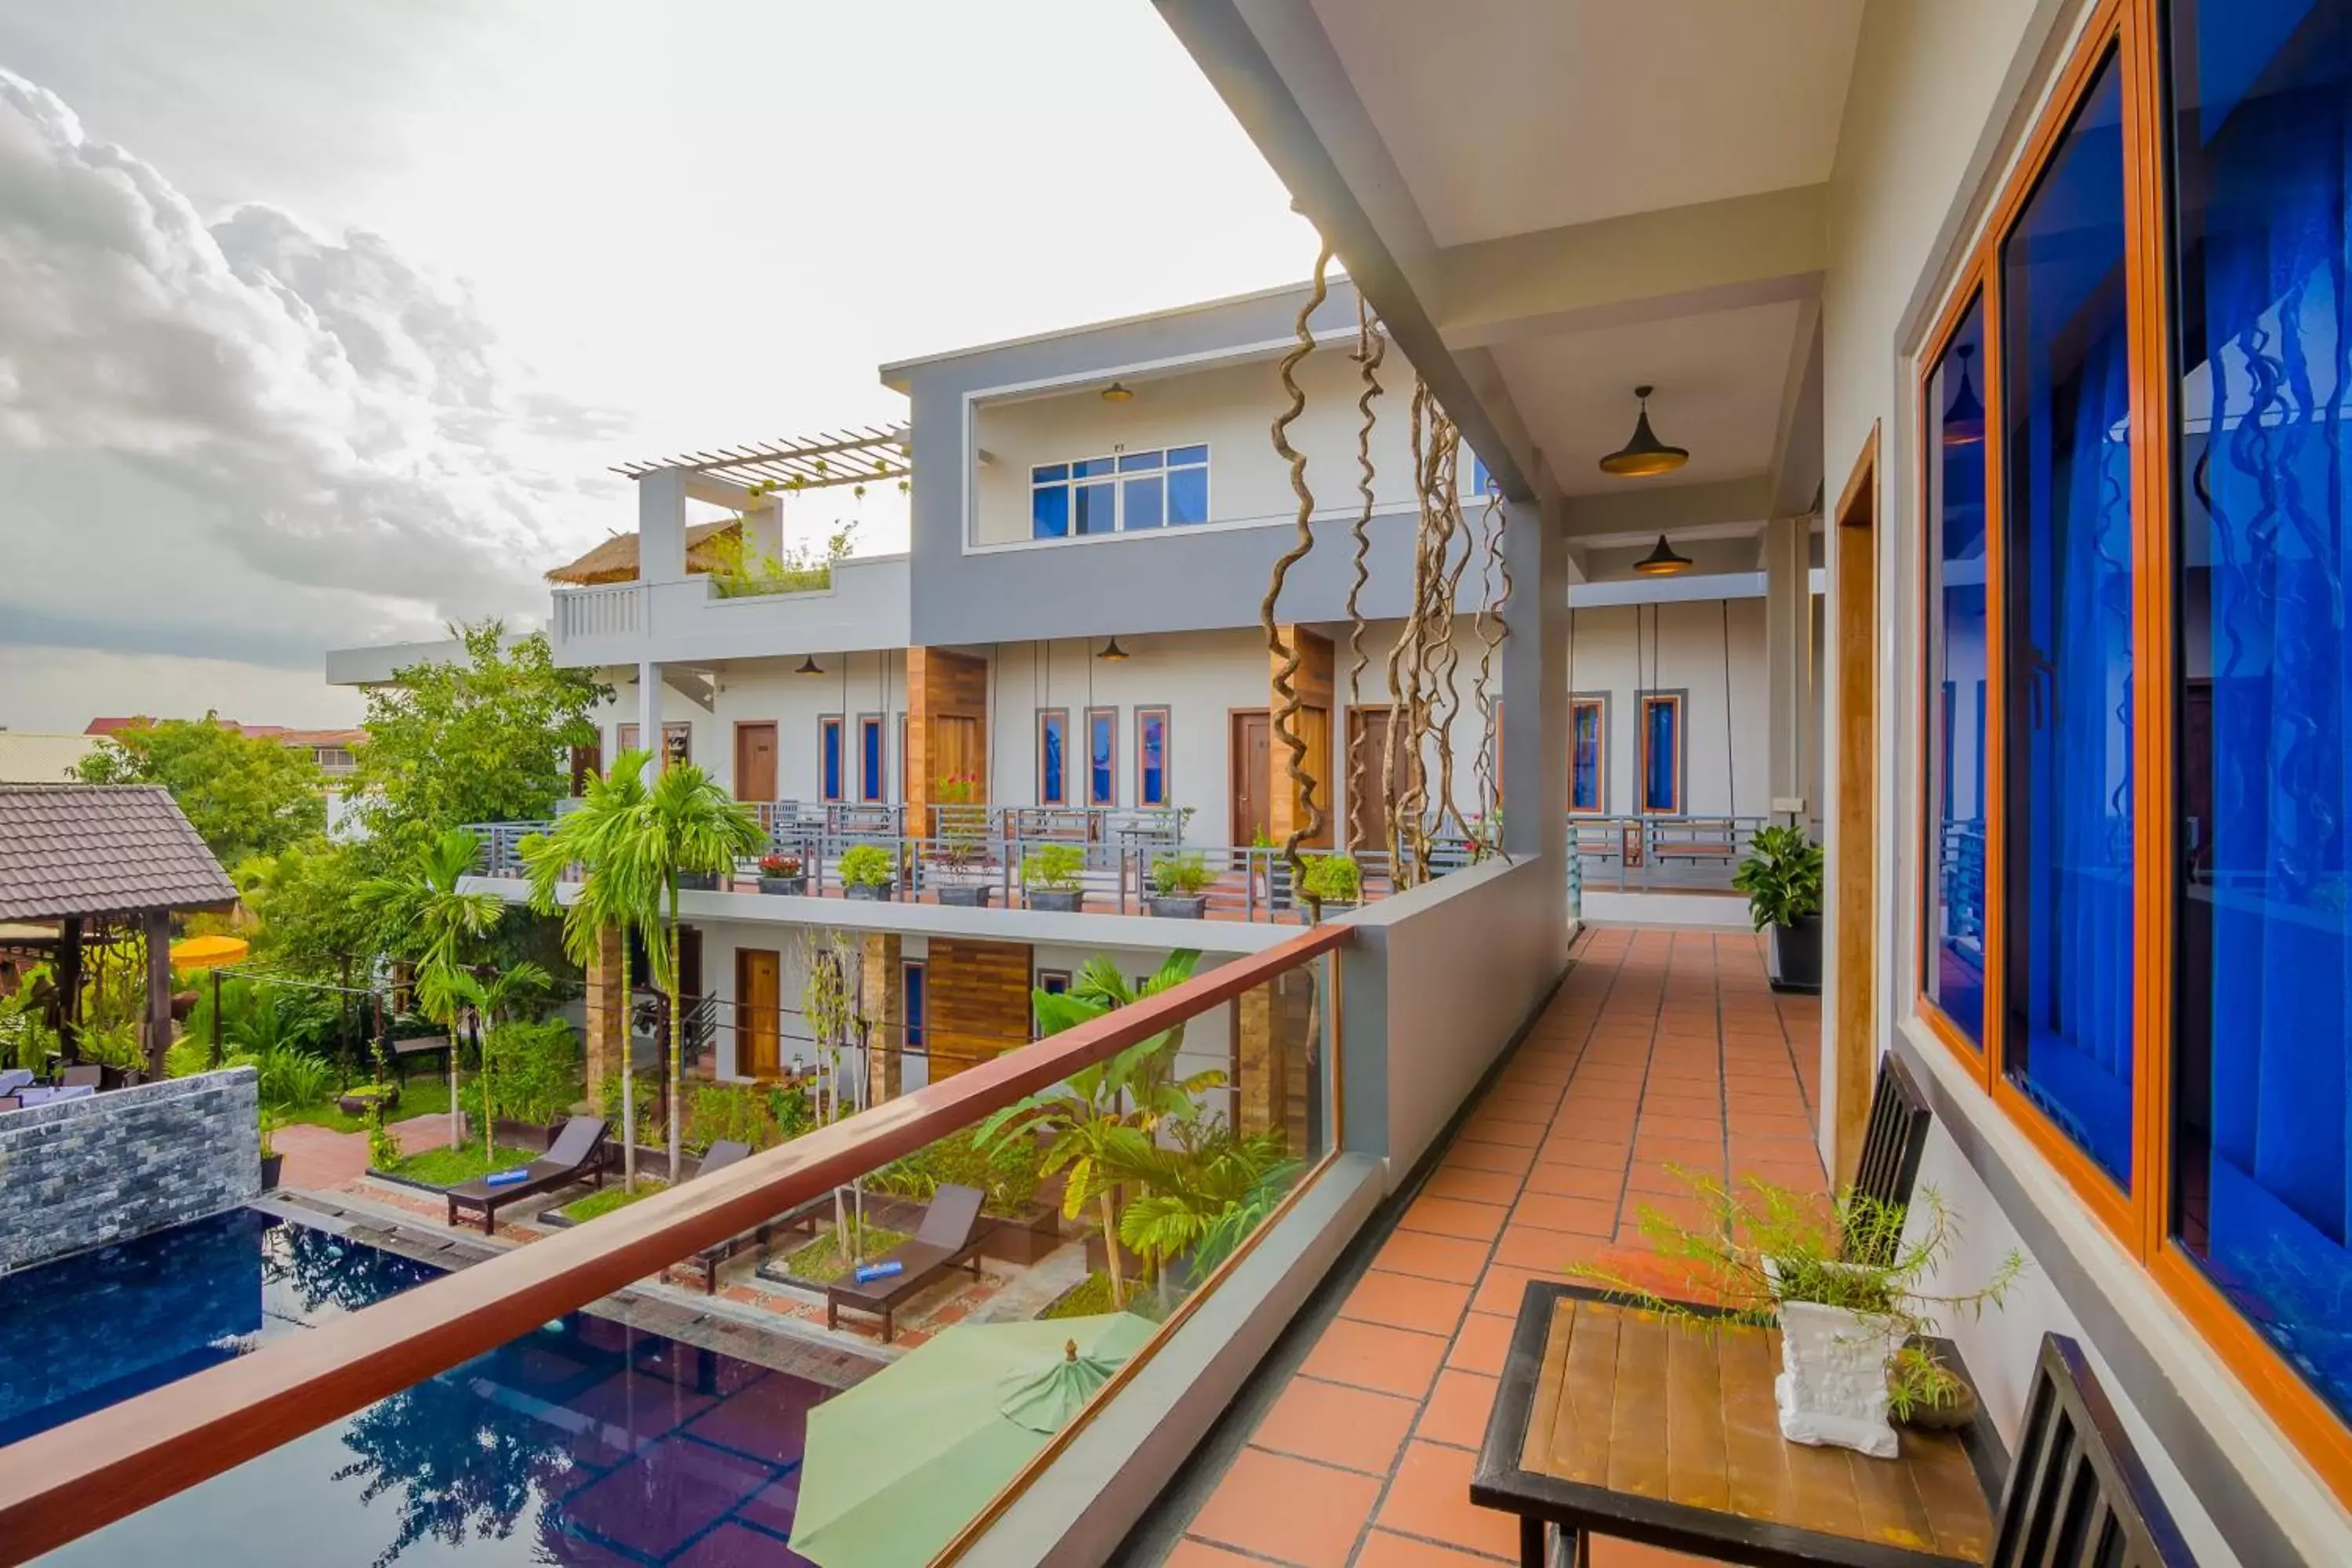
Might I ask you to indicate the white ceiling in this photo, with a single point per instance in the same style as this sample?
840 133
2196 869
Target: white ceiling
1507 116
1720 380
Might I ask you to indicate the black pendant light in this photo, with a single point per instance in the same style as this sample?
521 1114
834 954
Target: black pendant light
1661 560
1112 651
1644 454
1964 424
809 665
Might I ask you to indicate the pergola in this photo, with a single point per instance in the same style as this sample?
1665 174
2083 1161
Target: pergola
75 856
855 457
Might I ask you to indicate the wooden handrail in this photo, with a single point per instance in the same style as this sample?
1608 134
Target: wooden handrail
62 1484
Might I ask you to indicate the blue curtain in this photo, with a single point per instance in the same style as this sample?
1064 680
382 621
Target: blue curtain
2068 1040
2264 99
1661 768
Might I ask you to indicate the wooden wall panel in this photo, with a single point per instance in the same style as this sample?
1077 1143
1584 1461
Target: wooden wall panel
882 1003
978 997
608 1010
943 686
1288 808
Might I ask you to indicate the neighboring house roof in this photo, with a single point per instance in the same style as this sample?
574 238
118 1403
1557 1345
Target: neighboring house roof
277 733
71 850
616 560
27 756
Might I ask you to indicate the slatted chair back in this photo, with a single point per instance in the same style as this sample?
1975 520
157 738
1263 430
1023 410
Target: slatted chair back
1892 1141
2077 1493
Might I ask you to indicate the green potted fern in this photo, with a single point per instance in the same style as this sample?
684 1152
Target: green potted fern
866 872
1179 886
1782 879
1333 882
1050 878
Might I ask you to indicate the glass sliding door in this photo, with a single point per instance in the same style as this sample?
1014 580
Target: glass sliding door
2067 1014
2262 1190
1955 967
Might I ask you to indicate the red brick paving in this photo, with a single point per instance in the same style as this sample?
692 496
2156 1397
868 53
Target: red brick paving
1663 1047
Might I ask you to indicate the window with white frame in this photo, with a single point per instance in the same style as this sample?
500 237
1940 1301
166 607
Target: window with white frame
1124 492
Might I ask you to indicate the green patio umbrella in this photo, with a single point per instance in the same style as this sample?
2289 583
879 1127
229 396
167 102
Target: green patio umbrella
900 1463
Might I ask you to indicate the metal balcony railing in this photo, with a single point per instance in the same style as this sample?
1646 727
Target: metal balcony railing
1662 854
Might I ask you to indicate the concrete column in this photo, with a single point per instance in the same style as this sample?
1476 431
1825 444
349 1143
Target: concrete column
661 526
156 925
1787 661
1535 686
649 714
1276 1025
608 1010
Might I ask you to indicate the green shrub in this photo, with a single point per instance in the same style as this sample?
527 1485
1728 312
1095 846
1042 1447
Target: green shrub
649 1091
286 1079
534 1071
865 866
1052 867
1180 876
1333 880
745 1113
1008 1169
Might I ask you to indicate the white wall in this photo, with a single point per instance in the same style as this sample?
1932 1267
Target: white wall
852 685
1618 651
1231 407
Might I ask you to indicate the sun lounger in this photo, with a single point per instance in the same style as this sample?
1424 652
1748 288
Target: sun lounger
948 1238
723 1153
14 1078
576 1155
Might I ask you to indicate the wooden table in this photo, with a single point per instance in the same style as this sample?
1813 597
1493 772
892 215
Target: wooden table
1612 1421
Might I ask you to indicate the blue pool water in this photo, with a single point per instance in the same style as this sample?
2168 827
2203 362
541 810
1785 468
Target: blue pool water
586 1444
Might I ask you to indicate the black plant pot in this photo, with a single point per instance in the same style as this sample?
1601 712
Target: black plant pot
698 882
271 1165
868 892
1180 906
1796 955
958 896
1062 901
791 886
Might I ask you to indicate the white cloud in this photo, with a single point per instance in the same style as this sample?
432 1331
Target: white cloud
262 408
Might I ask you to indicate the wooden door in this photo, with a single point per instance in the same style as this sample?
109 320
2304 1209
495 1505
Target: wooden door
955 747
1370 737
586 762
689 964
755 762
1251 762
759 993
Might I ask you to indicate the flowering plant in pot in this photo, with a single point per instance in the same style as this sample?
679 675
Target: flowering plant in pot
961 852
1050 877
783 873
866 872
1179 886
1842 1281
1782 879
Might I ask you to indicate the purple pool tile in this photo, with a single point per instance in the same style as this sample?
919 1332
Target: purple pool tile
771 1507
733 1546
769 1422
667 1496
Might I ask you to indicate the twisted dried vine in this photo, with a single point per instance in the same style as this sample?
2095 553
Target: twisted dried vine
1404 795
1286 674
1491 629
1371 347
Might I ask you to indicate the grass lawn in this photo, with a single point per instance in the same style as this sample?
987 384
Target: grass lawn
821 1260
609 1199
424 1094
1090 1297
447 1167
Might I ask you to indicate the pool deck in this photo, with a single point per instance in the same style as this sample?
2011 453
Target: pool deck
1662 1048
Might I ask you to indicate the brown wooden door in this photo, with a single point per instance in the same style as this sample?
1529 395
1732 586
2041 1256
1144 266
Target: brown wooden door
586 762
1369 735
755 762
955 747
759 991
689 964
1252 775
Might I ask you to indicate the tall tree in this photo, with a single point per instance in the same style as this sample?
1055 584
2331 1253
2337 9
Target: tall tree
244 794
483 739
634 841
441 928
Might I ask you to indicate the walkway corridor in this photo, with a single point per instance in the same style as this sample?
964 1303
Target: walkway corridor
1663 1048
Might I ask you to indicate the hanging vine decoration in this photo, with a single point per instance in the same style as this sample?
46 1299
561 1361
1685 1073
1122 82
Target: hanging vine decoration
1419 667
1445 689
1491 629
1286 674
1371 347
1403 795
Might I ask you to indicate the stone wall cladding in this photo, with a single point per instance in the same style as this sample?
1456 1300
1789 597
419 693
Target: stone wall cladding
82 1173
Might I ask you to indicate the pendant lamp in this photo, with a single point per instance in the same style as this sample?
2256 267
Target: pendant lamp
1644 454
1661 560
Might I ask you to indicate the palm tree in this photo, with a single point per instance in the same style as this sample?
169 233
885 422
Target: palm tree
440 927
634 840
464 994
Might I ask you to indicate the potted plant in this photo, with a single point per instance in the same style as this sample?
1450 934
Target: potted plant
1333 882
272 1162
1050 878
782 873
1179 886
960 854
1782 879
361 1098
1841 1279
866 872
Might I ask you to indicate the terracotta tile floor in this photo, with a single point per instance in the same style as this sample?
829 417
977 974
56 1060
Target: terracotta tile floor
1663 1048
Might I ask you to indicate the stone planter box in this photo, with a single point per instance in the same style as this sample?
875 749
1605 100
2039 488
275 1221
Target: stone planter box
869 892
790 887
1180 906
698 882
1024 1238
974 895
1056 901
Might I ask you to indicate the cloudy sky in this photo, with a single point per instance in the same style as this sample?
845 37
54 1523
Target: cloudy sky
321 323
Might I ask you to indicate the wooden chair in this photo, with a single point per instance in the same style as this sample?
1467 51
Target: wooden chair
2076 1491
1894 1140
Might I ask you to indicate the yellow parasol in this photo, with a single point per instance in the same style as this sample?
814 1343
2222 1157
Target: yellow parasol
208 952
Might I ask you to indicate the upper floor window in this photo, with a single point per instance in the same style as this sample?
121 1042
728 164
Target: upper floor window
1102 756
1954 958
1123 492
1152 756
1053 759
1588 782
1662 753
872 788
828 753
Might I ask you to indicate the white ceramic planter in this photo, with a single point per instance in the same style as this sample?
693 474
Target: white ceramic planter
1832 1390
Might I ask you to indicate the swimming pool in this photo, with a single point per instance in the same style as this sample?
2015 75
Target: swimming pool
586 1444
